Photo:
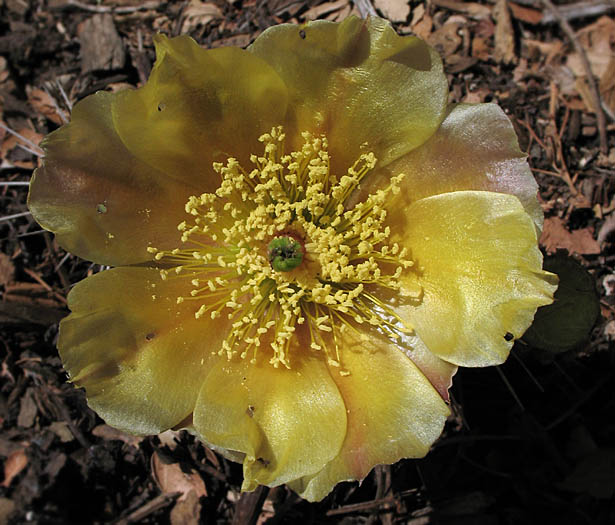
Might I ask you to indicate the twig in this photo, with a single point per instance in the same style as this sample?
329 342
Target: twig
15 183
146 6
583 399
57 107
68 103
14 216
154 505
365 7
588 72
510 388
572 11
250 506
29 150
383 489
369 506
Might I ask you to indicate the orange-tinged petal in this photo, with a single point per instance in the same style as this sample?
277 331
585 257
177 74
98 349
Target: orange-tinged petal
102 203
200 106
475 148
288 423
116 179
360 84
141 359
480 270
439 372
393 412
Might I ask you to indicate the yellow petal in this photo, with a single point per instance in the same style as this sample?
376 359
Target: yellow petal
480 268
358 82
102 203
200 106
288 423
475 148
393 412
116 179
141 360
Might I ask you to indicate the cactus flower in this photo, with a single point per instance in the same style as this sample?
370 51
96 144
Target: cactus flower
306 242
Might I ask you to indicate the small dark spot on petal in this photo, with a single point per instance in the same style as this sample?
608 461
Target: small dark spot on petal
509 336
150 336
302 34
161 106
263 461
250 410
101 208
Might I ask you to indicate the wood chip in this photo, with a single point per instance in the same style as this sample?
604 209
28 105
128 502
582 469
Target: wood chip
7 269
27 410
101 46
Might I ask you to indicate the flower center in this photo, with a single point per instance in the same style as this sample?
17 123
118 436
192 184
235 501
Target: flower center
284 253
279 248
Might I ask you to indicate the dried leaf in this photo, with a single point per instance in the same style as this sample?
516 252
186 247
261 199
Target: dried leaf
110 433
525 14
198 14
187 510
393 10
504 37
555 236
171 478
45 105
446 39
598 40
473 9
324 9
422 23
13 465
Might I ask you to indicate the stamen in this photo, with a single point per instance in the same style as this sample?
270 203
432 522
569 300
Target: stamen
242 263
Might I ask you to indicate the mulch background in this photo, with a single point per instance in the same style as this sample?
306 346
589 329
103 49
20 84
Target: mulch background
532 441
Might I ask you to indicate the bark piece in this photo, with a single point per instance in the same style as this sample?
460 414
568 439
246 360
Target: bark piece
101 46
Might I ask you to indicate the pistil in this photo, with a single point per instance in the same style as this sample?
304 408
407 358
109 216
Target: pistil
284 253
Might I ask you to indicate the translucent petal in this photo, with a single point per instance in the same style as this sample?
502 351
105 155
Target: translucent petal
200 106
141 359
288 423
117 177
475 148
392 409
359 83
480 270
439 372
102 203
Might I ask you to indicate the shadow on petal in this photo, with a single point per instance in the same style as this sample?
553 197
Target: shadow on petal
140 358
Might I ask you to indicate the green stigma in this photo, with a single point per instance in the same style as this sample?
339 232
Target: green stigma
284 254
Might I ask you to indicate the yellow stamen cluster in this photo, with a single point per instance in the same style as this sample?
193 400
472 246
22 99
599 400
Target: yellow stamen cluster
347 254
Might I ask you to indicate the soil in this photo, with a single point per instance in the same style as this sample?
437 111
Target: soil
531 441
